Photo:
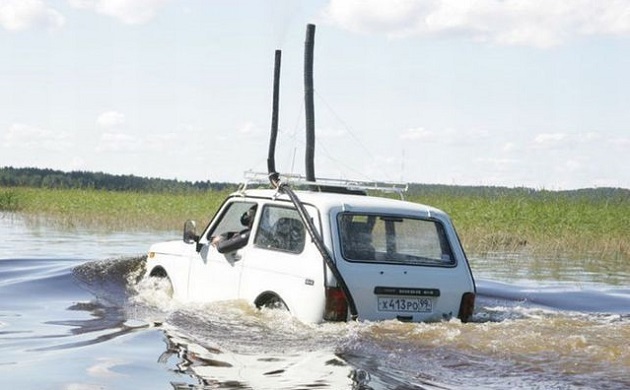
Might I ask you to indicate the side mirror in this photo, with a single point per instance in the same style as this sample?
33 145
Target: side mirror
190 232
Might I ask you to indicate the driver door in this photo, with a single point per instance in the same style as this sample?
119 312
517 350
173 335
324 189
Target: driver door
216 276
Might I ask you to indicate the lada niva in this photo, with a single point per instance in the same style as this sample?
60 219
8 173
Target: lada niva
327 252
388 258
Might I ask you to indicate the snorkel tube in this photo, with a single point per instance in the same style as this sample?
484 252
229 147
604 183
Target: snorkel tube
274 177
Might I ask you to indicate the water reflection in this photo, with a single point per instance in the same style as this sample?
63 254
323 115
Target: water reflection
33 239
523 268
110 322
215 368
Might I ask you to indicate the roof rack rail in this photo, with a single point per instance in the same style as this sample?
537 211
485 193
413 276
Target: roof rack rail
262 178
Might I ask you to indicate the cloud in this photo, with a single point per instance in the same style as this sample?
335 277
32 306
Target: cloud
448 136
110 119
549 140
499 164
103 368
20 135
418 133
567 140
509 147
248 129
20 15
127 11
537 23
116 141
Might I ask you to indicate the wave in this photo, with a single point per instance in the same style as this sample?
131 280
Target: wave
520 336
562 297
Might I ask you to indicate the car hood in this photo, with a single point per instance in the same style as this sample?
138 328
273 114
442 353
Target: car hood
177 247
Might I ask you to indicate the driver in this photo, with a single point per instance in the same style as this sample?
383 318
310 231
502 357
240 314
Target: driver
231 241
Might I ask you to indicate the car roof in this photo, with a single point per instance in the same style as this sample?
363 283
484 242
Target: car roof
325 201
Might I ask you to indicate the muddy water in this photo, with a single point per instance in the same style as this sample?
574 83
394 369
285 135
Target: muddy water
74 316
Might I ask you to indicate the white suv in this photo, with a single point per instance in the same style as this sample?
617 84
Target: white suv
332 257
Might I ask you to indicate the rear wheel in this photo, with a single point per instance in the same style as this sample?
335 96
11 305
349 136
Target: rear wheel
271 301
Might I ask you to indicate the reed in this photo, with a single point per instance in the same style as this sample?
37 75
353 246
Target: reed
112 211
547 223
543 223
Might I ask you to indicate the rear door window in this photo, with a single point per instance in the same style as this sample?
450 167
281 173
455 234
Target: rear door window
280 229
394 239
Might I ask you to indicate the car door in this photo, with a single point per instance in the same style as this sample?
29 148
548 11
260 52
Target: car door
400 266
214 275
285 263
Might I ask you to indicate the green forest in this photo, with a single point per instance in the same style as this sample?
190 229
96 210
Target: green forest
54 179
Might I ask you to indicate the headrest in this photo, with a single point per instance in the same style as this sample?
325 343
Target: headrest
248 217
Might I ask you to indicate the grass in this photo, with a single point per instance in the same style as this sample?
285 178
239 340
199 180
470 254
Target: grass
544 223
114 211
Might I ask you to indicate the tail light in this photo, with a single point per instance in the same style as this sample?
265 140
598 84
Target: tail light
336 305
466 307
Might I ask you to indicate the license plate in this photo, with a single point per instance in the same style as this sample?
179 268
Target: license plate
399 304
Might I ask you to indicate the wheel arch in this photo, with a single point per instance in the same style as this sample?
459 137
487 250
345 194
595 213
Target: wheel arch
158 272
267 297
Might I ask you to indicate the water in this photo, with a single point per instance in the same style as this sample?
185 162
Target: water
74 316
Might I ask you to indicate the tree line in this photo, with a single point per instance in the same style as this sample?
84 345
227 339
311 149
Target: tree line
55 179
49 178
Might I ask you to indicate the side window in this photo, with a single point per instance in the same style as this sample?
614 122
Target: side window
280 229
232 220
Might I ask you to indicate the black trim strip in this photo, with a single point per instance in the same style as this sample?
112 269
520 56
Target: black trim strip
407 291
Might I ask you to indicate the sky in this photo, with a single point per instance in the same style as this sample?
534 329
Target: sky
512 93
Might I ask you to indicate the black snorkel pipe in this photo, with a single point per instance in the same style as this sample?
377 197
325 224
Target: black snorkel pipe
271 157
284 188
309 104
319 243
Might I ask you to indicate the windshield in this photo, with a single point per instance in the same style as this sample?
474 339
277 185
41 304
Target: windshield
394 239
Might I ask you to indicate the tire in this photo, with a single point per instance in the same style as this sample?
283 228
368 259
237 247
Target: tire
165 282
271 301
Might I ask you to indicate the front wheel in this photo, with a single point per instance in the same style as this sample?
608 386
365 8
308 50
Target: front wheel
161 281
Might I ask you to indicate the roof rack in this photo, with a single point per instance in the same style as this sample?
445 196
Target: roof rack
295 180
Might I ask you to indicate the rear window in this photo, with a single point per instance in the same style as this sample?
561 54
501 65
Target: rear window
393 239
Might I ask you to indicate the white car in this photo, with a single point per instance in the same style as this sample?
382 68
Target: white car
334 257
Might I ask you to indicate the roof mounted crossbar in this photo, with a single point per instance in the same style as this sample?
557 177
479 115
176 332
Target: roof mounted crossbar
297 181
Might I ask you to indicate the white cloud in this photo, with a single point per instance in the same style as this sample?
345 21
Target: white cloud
103 368
20 135
127 11
110 119
509 147
115 141
498 164
418 133
538 23
248 128
549 140
566 140
19 15
449 136
391 17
